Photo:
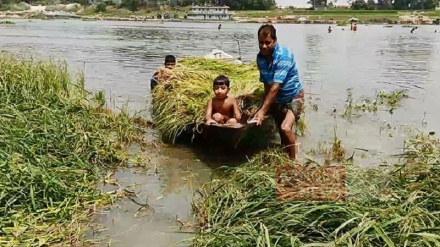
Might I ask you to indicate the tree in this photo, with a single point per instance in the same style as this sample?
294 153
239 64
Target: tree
400 5
318 3
359 5
330 5
384 5
132 5
423 4
371 5
100 7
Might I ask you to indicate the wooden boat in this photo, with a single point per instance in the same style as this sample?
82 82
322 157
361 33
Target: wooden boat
229 134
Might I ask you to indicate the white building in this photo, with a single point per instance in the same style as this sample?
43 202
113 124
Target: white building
214 13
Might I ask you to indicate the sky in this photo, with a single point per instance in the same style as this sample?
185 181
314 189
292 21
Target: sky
301 3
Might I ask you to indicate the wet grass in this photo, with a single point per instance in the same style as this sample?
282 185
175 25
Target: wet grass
384 100
7 23
56 142
396 204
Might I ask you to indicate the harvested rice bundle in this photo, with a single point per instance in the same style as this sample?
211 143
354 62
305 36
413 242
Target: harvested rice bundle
179 101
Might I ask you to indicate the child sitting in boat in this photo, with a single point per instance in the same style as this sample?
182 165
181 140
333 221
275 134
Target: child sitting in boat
222 109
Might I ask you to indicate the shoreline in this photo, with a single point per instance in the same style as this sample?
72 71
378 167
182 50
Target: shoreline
274 17
240 21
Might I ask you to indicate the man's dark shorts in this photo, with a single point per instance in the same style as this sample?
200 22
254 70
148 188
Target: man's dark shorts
279 111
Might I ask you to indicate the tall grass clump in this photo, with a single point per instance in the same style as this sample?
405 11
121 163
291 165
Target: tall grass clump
179 101
54 139
393 205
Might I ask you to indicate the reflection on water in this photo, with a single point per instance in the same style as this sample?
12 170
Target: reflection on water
120 58
407 61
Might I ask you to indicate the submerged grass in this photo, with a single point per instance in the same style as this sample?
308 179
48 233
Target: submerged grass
54 140
179 102
391 205
7 23
384 100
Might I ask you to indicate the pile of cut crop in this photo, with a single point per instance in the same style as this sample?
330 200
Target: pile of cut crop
54 140
179 102
394 205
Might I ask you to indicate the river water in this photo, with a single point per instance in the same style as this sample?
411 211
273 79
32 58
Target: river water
120 58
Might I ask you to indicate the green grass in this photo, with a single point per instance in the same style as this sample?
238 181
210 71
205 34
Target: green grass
393 205
56 140
112 11
274 13
339 15
7 23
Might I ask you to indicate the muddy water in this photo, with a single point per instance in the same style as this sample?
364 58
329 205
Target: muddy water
120 57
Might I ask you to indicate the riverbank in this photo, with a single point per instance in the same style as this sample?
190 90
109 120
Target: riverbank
395 204
273 16
58 142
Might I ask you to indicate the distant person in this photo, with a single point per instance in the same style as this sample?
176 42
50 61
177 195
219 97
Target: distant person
222 109
283 91
170 62
413 29
355 27
329 29
219 26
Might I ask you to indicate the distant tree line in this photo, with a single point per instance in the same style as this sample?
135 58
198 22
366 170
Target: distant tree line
134 4
234 4
251 4
381 4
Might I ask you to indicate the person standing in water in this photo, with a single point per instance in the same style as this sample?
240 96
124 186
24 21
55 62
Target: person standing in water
170 62
329 29
283 91
413 29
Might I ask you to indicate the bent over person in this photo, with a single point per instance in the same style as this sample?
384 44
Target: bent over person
284 94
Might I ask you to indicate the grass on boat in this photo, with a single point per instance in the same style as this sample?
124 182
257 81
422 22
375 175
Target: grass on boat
179 102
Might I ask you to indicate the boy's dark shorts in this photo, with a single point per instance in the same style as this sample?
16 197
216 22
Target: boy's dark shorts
279 111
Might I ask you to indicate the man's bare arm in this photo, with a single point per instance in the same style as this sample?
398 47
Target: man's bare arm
266 89
270 94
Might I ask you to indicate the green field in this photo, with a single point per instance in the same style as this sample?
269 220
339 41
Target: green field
337 15
329 13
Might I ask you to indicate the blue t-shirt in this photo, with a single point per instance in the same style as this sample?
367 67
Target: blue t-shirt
282 70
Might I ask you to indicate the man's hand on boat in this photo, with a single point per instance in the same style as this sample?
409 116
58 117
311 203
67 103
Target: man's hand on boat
211 121
259 117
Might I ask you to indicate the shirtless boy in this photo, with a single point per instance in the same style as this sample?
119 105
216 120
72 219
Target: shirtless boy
222 109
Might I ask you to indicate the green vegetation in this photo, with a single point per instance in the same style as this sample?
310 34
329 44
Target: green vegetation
113 11
13 5
56 140
7 23
385 100
396 204
332 15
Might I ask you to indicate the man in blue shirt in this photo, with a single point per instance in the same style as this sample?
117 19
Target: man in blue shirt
284 94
